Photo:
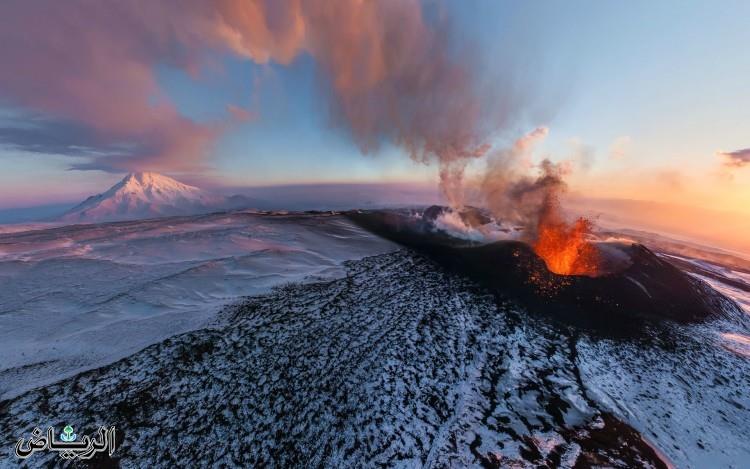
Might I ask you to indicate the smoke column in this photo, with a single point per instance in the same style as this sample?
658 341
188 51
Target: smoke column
391 75
533 203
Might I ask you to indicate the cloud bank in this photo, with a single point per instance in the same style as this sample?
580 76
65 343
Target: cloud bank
737 158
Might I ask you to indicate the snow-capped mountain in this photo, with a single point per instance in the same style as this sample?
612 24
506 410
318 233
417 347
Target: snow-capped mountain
148 195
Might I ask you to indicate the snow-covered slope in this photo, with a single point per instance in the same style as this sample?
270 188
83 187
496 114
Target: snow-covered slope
81 296
146 195
346 352
400 364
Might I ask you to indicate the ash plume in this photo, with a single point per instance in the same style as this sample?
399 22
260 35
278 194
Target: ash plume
392 74
533 204
535 199
508 190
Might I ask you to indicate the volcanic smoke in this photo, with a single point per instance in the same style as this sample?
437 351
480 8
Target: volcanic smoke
390 73
565 247
533 203
389 68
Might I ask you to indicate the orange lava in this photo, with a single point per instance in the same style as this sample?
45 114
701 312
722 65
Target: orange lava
565 247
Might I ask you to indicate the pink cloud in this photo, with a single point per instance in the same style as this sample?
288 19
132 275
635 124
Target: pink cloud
389 73
737 158
240 114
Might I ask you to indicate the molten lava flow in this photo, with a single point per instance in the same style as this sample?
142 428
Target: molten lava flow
565 247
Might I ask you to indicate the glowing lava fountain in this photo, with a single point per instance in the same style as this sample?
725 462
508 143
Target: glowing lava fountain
566 247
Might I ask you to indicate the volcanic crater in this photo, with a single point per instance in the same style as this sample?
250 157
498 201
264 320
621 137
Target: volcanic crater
631 285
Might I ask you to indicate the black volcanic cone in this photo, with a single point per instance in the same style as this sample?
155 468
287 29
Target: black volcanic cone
647 287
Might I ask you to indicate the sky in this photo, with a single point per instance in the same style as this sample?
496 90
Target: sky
645 100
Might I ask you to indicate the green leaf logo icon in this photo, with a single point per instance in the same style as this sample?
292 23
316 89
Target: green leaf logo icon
67 434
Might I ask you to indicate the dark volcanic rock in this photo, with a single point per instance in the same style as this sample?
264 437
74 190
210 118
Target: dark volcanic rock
397 364
647 287
432 212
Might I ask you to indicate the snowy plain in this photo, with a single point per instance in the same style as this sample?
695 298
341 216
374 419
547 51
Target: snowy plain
81 296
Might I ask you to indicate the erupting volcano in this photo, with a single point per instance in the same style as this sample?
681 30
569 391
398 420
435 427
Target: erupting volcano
562 271
533 204
565 247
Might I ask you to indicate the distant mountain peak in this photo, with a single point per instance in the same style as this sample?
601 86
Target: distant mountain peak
146 195
156 185
150 178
